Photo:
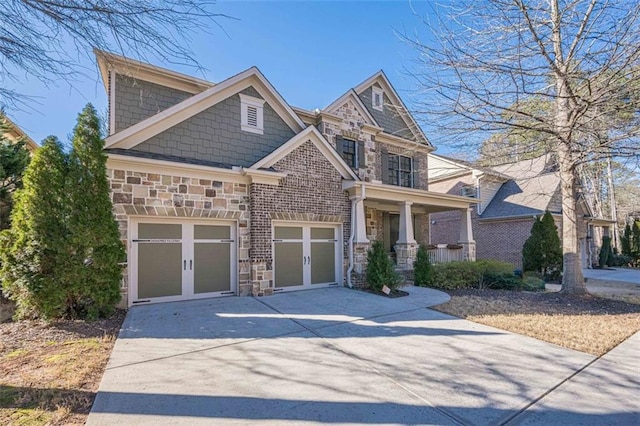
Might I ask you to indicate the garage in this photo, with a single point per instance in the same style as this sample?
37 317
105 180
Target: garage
306 256
178 260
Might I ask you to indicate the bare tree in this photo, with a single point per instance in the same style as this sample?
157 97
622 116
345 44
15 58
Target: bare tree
44 38
488 59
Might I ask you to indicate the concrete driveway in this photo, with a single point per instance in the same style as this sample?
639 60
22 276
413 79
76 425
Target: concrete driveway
626 275
346 357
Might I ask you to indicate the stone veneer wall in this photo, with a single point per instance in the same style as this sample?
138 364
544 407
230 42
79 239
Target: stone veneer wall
160 195
311 192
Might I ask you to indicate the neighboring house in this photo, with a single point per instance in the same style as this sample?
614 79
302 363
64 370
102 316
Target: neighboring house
15 133
225 189
511 197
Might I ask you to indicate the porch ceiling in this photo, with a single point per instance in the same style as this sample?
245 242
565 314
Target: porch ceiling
389 197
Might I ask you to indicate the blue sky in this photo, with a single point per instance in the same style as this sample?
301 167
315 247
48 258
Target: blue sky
311 51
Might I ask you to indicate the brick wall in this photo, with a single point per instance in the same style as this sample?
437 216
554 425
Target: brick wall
311 192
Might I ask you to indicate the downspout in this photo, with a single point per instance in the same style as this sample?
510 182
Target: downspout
354 203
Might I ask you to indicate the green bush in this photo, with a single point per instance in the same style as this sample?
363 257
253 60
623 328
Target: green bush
479 274
542 252
605 257
380 269
422 268
620 260
532 284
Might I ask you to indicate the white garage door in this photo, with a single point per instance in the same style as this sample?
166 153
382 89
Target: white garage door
182 260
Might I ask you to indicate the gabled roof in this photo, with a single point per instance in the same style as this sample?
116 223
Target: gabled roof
130 67
528 196
381 78
186 109
312 134
455 168
353 96
15 133
527 168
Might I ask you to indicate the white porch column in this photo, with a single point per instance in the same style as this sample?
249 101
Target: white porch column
360 225
405 234
466 235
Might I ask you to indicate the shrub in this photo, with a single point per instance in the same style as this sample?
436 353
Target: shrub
604 259
422 268
532 284
479 274
380 269
620 260
542 252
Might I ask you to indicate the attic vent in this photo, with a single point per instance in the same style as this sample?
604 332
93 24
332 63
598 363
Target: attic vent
251 114
377 98
469 191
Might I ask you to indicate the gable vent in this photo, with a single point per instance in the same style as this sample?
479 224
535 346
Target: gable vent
252 116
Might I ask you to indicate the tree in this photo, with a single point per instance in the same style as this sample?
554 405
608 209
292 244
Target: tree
93 231
605 257
380 268
43 39
34 251
542 252
422 268
487 61
14 158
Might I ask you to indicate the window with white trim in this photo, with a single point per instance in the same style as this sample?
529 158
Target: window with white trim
377 98
251 114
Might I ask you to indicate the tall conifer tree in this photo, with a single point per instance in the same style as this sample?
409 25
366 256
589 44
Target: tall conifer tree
542 252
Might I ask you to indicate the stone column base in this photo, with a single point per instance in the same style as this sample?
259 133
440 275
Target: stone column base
360 257
261 279
405 255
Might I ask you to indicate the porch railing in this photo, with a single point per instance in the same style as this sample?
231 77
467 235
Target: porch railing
443 253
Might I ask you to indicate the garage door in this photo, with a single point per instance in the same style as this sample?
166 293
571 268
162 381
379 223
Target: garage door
180 261
306 256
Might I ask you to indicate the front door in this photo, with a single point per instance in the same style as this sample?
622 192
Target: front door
178 261
306 256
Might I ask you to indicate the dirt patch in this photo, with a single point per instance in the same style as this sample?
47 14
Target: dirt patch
588 324
51 372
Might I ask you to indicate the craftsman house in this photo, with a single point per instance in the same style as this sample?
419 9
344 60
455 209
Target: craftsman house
510 197
226 189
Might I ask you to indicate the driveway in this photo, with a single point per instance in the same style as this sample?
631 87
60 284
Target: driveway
346 357
626 275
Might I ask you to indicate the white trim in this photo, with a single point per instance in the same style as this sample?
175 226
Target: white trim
377 91
382 79
186 109
353 96
309 134
246 102
112 102
402 142
187 287
194 171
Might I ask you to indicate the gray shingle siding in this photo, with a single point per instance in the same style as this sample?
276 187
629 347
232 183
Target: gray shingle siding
214 135
388 119
137 100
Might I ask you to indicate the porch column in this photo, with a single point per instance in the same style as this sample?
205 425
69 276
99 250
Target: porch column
406 246
360 225
466 236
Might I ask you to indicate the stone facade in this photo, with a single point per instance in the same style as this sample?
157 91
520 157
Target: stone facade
143 194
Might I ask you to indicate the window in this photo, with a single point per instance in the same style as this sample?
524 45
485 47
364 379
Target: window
377 98
469 191
251 114
350 153
401 171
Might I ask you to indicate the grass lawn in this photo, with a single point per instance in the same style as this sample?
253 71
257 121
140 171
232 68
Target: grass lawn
591 324
50 373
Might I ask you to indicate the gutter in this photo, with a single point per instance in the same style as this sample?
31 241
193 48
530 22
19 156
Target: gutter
354 202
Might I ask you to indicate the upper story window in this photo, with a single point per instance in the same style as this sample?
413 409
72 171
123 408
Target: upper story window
351 151
251 114
401 170
377 98
469 191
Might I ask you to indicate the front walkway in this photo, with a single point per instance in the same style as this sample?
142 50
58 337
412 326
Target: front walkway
343 356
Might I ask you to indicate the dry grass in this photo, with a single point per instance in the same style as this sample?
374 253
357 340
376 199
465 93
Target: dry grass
589 324
50 373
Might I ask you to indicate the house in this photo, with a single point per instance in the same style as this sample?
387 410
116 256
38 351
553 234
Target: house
15 133
510 197
226 189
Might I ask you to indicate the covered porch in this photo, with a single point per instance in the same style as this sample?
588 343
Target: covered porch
399 217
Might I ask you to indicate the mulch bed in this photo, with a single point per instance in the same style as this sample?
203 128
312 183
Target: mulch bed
553 303
393 295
